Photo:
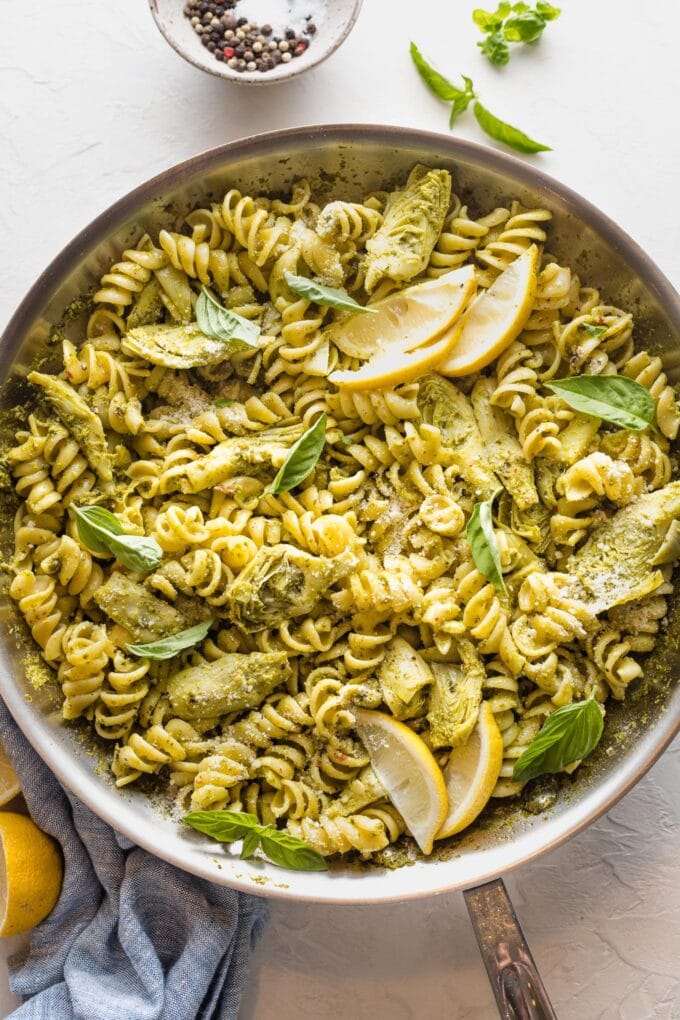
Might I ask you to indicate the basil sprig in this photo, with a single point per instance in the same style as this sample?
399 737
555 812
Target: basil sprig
568 735
333 297
219 322
442 87
503 132
169 647
517 23
614 398
103 534
281 848
460 99
302 458
484 544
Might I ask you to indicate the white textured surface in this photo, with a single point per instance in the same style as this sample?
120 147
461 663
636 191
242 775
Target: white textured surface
92 102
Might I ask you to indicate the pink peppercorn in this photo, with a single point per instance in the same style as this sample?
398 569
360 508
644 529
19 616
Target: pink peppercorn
228 51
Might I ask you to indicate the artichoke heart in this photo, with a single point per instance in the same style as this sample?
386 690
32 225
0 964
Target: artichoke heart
441 403
233 683
615 564
84 425
455 698
130 605
148 307
365 789
504 451
403 675
401 247
253 455
174 346
281 582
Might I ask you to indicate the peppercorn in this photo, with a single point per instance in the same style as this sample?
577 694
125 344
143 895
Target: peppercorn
300 48
290 34
286 57
276 57
232 62
239 51
257 47
241 22
248 56
266 30
284 46
251 66
228 51
229 21
311 28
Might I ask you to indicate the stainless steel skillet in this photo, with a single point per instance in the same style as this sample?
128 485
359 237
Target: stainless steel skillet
348 161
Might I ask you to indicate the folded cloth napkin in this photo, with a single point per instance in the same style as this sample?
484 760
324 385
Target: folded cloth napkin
131 937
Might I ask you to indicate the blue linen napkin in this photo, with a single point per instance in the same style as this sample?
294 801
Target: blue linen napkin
131 937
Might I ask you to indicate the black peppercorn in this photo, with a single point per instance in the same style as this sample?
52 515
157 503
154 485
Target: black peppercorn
266 30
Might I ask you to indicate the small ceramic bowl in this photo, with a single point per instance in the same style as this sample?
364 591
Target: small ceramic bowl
332 29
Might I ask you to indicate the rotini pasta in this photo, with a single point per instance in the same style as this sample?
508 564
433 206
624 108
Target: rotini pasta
355 588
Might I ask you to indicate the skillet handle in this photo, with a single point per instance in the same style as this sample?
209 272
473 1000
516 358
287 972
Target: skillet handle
515 981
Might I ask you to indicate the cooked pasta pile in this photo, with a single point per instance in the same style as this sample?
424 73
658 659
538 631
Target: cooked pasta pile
369 551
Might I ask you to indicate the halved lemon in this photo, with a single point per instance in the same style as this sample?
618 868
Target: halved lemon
413 315
407 769
397 363
9 783
471 773
496 317
30 876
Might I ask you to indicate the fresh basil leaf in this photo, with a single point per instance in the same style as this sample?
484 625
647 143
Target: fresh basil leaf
488 21
333 297
614 398
495 48
568 735
302 458
289 852
280 847
547 11
505 133
215 320
225 826
484 544
251 842
224 402
102 533
461 103
436 82
592 330
169 647
525 27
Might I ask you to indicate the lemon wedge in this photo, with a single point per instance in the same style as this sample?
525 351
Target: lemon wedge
408 771
9 784
31 875
413 315
471 773
398 363
496 317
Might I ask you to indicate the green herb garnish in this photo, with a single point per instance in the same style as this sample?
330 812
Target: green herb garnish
568 735
219 322
503 132
280 847
302 458
442 87
333 297
169 647
460 99
614 398
592 330
224 402
103 534
484 544
516 23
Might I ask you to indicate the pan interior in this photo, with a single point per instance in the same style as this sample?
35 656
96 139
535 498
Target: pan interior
348 163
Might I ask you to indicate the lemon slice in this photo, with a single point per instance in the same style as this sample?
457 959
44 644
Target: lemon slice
30 876
407 769
496 317
397 363
9 784
472 772
415 315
